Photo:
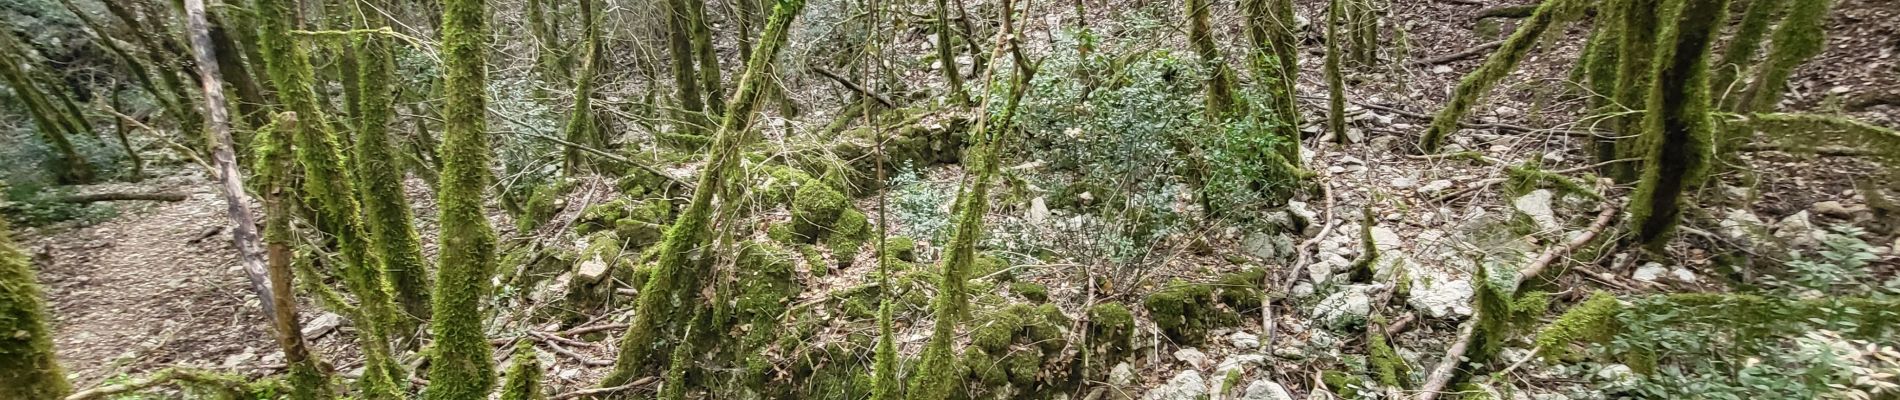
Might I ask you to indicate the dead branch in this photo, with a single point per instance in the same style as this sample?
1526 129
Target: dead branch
1293 274
1507 11
1448 365
1474 51
121 196
600 391
848 84
159 378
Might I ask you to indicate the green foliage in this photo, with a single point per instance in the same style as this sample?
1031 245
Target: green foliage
28 367
1841 268
1729 345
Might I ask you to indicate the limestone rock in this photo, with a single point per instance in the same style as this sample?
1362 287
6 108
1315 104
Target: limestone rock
1536 205
1650 272
1190 356
321 325
1244 340
1186 385
1345 308
1438 294
1266 390
1122 375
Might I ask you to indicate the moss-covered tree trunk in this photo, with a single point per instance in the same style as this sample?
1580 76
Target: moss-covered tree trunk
670 293
1739 55
947 55
253 109
1270 26
1220 78
707 57
169 66
329 191
309 380
1636 47
1679 120
524 374
68 166
380 181
691 114
28 367
551 58
1335 80
1600 66
1801 35
1495 68
582 122
460 363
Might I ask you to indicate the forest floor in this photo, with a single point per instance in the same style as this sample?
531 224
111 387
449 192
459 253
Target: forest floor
158 284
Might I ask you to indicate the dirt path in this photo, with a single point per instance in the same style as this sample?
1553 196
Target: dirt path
155 286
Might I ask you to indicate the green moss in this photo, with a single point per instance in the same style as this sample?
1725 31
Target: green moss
1738 56
1527 178
1592 321
996 330
987 265
1342 384
986 368
847 237
1035 292
903 248
1185 311
815 210
814 259
782 233
524 374
543 202
1048 328
461 364
1241 290
379 179
28 366
1023 364
1386 364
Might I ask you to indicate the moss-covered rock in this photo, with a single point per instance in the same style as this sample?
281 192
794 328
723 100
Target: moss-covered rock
1112 328
989 265
847 237
1185 311
1344 385
1241 290
1035 292
901 247
542 203
815 210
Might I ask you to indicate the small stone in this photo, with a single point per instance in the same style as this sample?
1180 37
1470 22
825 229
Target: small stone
321 325
1650 272
1190 356
1336 169
1239 362
1831 208
1507 111
1350 160
1618 376
1302 290
1442 69
1122 375
1439 295
592 270
1683 275
1403 183
1244 340
1434 187
1038 211
1798 230
1266 390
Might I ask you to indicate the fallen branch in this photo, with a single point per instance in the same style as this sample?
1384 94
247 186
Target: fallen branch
231 383
1448 365
1474 51
848 84
1825 151
612 157
601 391
1299 263
1510 11
98 197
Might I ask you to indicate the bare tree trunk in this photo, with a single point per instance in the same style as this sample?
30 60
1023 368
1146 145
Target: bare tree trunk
231 182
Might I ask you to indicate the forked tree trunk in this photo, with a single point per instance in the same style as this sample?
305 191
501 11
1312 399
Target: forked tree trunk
1679 121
